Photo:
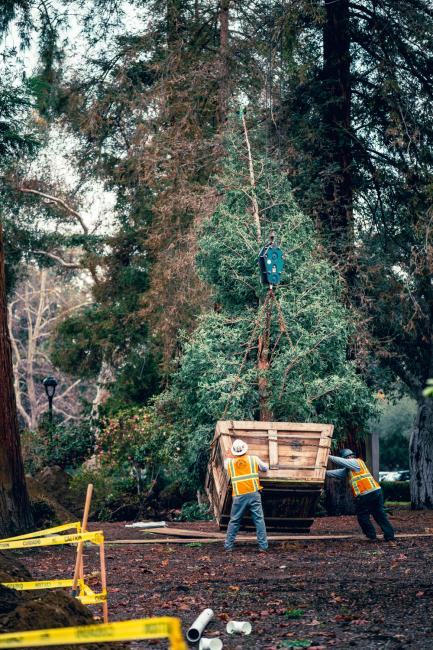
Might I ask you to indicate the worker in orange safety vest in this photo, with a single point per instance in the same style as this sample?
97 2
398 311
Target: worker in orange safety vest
366 491
244 470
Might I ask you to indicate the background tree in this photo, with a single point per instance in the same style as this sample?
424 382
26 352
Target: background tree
351 92
15 511
35 309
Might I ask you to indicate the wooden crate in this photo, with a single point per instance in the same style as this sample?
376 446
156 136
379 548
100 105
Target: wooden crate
297 455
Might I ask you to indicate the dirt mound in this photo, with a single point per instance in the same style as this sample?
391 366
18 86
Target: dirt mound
56 482
11 570
41 609
31 610
39 494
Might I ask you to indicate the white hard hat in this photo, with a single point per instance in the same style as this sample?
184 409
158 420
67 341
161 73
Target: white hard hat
239 448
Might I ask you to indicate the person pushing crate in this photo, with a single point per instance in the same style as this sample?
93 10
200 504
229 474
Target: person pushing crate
244 470
366 491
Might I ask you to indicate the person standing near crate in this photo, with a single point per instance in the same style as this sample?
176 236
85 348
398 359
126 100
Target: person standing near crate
366 491
244 470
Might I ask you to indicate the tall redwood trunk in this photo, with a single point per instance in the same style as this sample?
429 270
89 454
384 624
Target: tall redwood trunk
336 213
223 81
15 513
421 456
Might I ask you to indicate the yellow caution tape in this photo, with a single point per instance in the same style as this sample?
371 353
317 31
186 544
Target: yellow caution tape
39 584
87 596
96 538
47 531
150 628
92 598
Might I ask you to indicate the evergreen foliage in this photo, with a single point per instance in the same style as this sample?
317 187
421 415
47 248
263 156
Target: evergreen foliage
111 330
310 378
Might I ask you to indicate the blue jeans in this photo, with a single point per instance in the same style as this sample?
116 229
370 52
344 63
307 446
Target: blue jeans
253 502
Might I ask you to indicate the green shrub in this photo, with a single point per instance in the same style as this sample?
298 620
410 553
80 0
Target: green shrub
193 511
396 490
114 495
64 444
135 443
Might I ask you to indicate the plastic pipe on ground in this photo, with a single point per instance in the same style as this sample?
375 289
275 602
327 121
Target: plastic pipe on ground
147 524
210 644
196 630
239 627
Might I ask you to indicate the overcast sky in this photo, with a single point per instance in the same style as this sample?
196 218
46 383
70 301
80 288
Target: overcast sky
54 161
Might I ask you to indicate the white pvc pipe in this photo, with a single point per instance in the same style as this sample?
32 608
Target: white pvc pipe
239 627
210 644
196 630
147 524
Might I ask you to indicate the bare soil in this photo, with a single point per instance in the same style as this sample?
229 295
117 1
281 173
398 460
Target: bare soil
333 594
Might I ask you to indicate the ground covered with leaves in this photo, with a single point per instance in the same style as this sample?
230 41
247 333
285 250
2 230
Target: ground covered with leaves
316 594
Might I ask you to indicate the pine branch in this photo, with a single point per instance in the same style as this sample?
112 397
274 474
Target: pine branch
58 201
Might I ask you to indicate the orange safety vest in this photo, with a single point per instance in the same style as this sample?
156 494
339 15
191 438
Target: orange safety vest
362 482
244 475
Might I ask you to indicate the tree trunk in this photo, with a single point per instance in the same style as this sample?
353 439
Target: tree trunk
15 512
223 81
336 213
338 494
263 366
338 497
106 377
421 456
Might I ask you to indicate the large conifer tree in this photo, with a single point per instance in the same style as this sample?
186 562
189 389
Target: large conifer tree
309 377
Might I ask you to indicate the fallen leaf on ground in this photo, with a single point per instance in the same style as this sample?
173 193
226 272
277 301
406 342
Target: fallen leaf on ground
359 621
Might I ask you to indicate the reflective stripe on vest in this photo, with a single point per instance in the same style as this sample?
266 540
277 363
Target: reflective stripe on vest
244 475
362 482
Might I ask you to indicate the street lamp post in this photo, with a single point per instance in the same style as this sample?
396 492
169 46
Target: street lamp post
50 388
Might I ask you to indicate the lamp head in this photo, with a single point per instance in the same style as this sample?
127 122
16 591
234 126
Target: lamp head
50 386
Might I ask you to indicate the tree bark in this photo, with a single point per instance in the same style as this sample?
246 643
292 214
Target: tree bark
421 456
106 377
263 365
223 81
336 213
338 494
15 512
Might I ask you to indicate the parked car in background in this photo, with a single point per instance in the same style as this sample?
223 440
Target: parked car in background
396 475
